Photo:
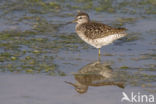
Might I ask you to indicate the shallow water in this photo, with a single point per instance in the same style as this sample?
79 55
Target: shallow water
35 39
38 89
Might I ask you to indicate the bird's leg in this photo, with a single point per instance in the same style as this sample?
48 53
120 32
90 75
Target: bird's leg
99 52
99 57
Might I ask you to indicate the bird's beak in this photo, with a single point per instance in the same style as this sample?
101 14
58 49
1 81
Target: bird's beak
74 20
71 21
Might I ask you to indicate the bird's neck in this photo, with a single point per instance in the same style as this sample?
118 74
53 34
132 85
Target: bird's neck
79 24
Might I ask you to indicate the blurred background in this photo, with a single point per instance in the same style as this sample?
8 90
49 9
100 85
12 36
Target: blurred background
35 39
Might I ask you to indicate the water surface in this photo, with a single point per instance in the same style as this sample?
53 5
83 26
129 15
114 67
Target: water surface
38 47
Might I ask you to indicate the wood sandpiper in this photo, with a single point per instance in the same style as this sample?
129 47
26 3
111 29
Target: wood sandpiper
94 33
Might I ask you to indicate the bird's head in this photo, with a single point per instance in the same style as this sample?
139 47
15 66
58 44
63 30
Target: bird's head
81 17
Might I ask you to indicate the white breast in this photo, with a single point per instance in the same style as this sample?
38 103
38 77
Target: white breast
99 42
107 40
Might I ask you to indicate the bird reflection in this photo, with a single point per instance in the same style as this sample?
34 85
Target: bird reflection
95 74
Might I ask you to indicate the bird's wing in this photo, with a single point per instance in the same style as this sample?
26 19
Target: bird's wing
98 30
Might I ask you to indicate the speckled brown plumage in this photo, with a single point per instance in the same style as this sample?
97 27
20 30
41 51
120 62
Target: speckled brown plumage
94 30
94 33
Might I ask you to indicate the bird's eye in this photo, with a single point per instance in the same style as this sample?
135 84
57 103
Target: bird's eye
80 17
